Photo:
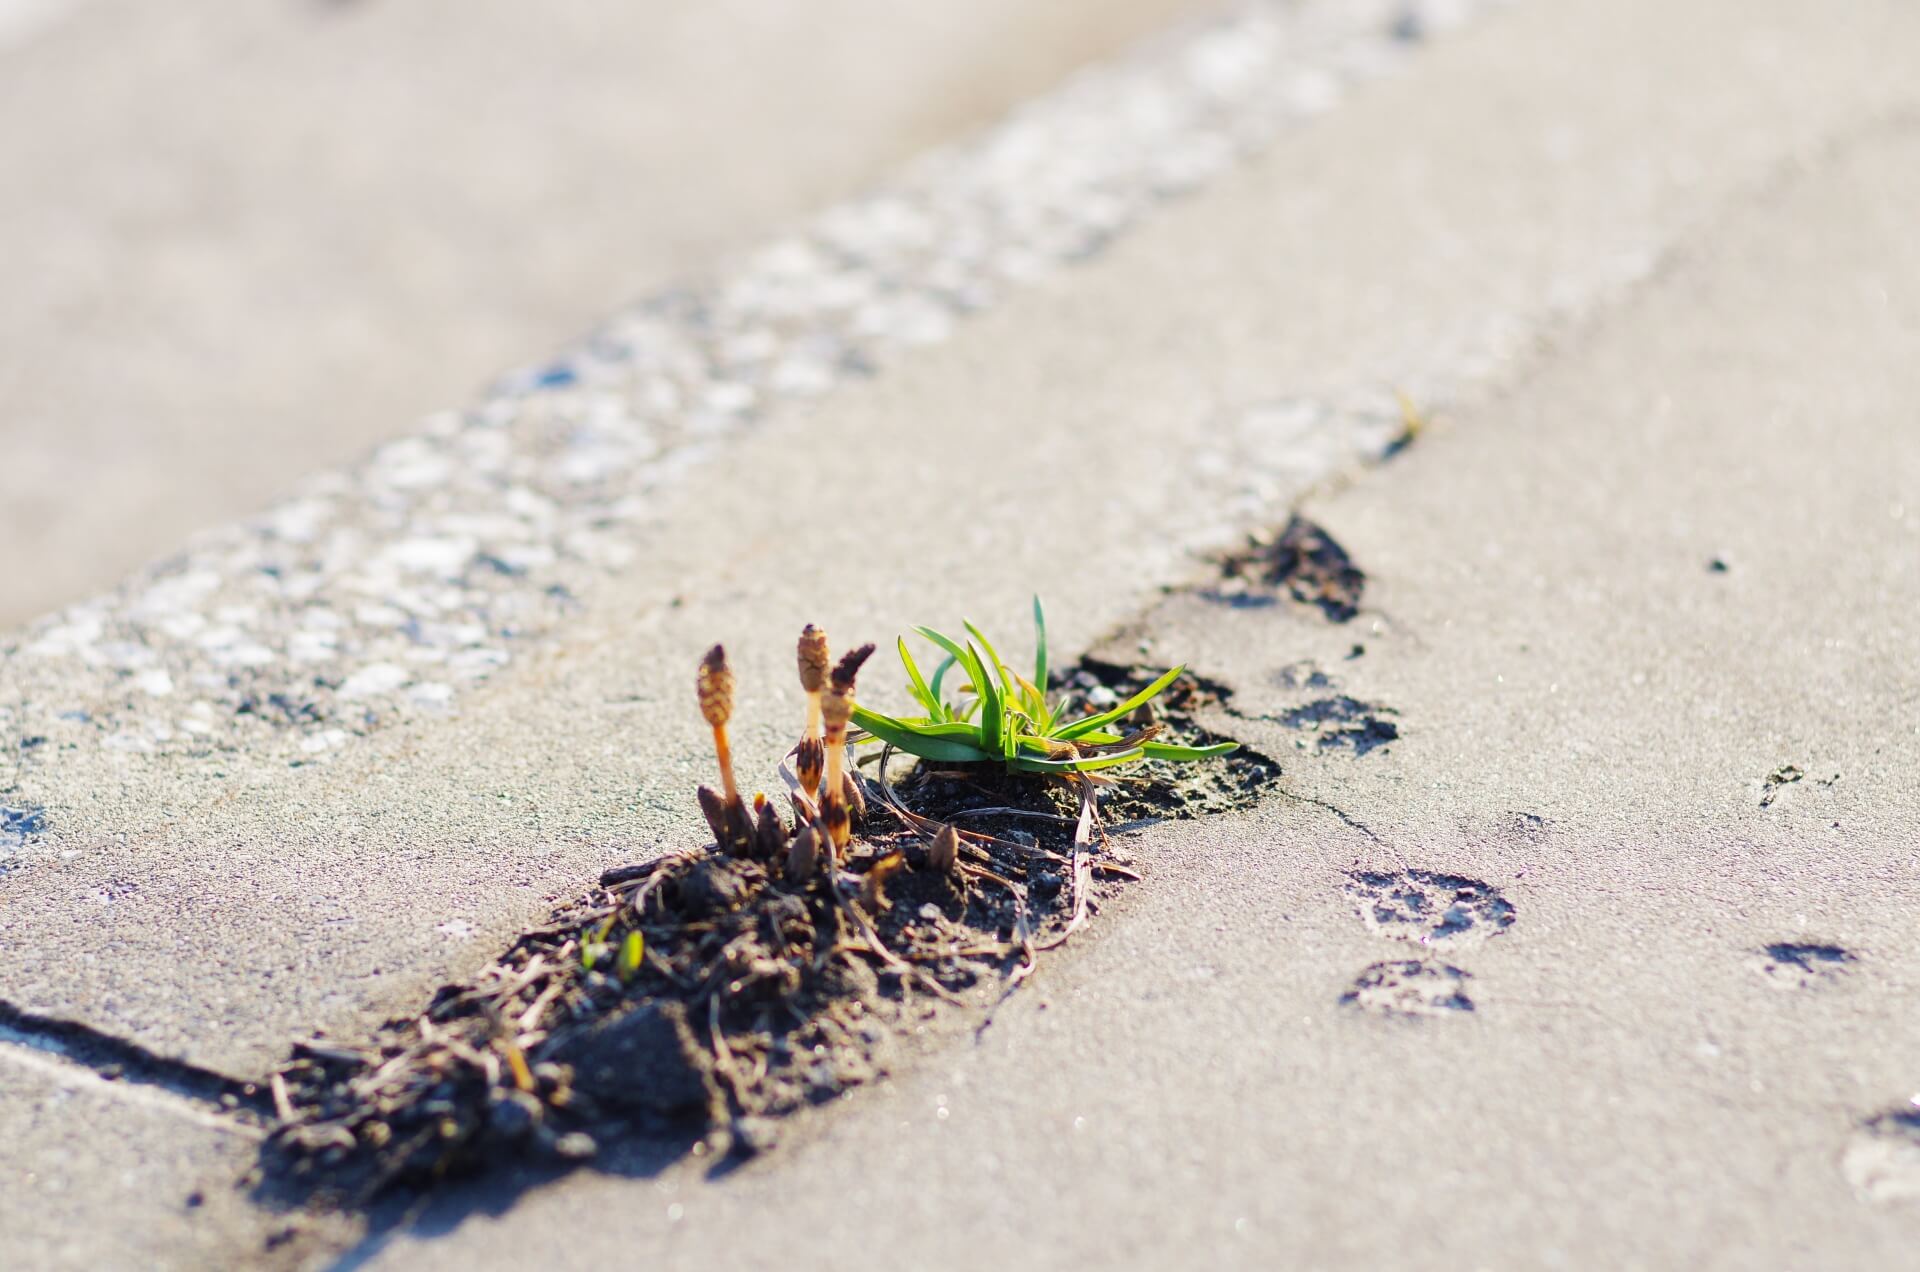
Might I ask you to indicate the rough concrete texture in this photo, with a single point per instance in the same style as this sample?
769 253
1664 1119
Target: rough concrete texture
243 243
382 593
109 1174
1588 713
342 890
317 866
1668 289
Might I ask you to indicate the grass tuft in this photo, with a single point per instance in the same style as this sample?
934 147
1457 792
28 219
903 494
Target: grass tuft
999 716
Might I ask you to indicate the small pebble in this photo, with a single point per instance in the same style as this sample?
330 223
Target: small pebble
515 1116
575 1146
754 1135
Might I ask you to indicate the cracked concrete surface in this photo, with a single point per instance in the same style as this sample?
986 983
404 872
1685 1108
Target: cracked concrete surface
1587 714
1588 708
331 883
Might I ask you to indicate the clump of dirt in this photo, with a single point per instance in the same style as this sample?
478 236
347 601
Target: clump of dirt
709 991
1882 1159
1801 965
1776 781
1302 561
22 823
1156 789
1429 907
696 989
1410 987
1342 722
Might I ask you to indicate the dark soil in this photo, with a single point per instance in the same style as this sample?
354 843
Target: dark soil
1342 722
753 993
1784 776
1802 965
1807 957
1302 562
1410 987
1430 907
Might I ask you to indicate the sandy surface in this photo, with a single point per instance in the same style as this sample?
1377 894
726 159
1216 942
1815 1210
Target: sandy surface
243 244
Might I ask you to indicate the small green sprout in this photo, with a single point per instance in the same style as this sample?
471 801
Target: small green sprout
627 963
1003 717
593 947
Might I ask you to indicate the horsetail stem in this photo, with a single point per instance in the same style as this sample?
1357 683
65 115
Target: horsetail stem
836 709
809 758
811 654
812 657
839 822
714 685
714 809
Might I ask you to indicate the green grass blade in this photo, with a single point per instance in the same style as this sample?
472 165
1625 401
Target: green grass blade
1152 691
1172 751
993 708
1000 668
1028 765
1039 647
983 687
950 729
1099 737
627 962
955 743
1035 702
935 711
954 652
940 673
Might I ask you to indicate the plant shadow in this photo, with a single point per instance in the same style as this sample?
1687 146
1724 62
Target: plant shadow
437 1211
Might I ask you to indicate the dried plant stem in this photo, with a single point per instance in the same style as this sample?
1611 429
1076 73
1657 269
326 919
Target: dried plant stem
811 654
713 683
812 657
810 758
1082 874
724 751
837 710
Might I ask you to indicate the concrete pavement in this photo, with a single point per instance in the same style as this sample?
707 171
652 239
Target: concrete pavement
1588 714
245 243
1670 315
313 726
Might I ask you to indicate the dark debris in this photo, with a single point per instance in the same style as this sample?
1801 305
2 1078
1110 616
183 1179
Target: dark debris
756 994
1302 562
1784 776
